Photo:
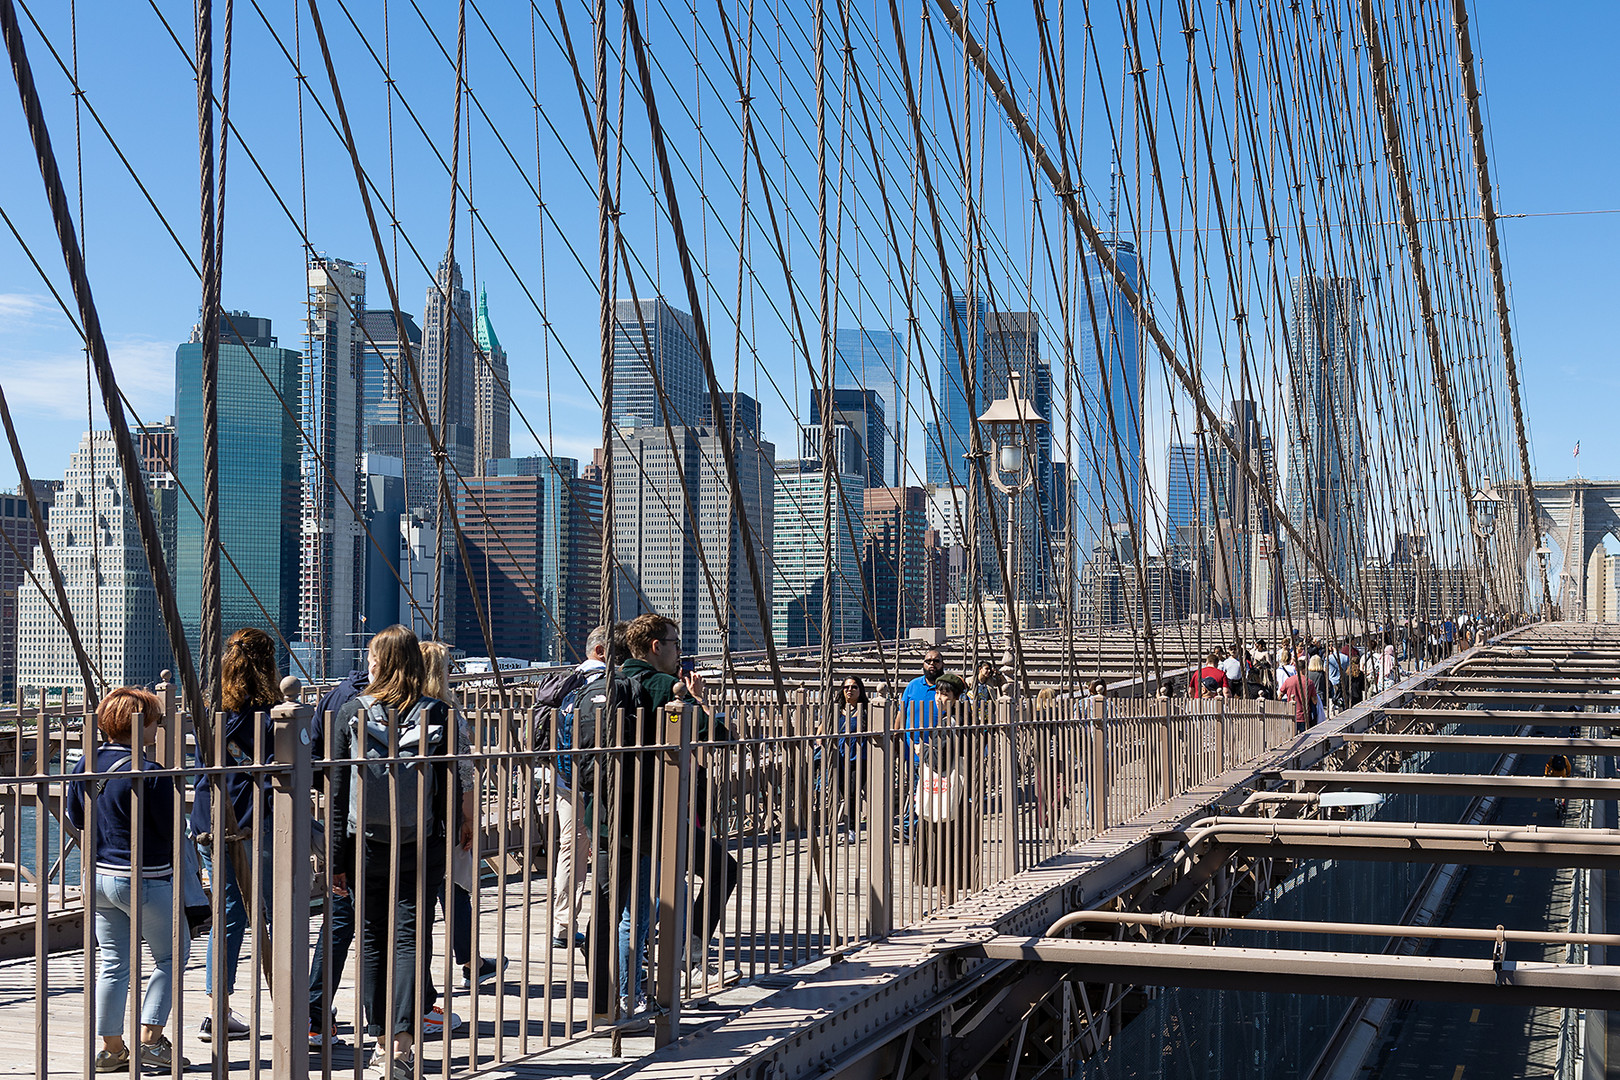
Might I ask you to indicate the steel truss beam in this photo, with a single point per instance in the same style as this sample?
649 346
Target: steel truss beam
1391 783
1404 842
1291 971
1505 744
1513 717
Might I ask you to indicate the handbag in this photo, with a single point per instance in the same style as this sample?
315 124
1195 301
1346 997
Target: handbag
938 795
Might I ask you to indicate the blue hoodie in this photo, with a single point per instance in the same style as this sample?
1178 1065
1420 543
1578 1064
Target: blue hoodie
239 786
115 804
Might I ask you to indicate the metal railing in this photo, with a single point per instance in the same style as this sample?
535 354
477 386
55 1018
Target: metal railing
749 845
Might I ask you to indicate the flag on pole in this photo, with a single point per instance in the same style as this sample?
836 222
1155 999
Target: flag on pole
1577 448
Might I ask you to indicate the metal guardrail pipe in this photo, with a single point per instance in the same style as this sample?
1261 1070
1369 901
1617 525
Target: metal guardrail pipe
1168 919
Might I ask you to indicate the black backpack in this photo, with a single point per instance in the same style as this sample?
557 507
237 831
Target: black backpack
579 721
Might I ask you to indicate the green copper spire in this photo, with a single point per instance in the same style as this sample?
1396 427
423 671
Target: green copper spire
487 341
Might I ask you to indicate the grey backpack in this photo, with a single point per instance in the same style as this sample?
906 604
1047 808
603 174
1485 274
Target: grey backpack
393 795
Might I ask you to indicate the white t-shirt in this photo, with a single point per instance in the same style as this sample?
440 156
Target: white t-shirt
1232 667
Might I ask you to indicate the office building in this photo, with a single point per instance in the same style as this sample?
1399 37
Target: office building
898 561
962 349
861 411
501 588
667 563
492 406
260 401
657 373
811 517
566 578
386 373
1185 491
97 544
1326 493
1109 409
875 360
16 560
385 505
419 554
332 582
156 445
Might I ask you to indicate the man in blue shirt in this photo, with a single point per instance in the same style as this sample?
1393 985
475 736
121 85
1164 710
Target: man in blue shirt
919 709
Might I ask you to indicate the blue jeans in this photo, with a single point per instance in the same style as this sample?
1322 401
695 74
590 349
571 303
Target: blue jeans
623 906
632 967
236 916
339 925
114 902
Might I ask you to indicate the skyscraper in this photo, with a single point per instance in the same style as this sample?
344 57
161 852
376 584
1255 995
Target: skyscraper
655 348
1326 489
385 505
331 586
501 525
260 401
449 366
386 376
656 544
98 549
16 560
862 412
802 534
1185 488
570 552
1110 407
493 404
1237 514
962 348
875 360
898 561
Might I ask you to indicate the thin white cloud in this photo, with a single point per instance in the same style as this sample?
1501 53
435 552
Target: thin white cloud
53 383
18 311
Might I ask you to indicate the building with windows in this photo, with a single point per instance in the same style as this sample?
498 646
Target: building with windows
861 412
1184 490
385 371
492 392
1109 410
962 350
1326 489
96 540
875 361
898 561
655 348
260 484
502 526
331 585
16 560
696 572
813 515
385 505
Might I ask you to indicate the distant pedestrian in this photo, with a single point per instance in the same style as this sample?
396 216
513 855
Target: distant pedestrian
121 889
1299 690
849 771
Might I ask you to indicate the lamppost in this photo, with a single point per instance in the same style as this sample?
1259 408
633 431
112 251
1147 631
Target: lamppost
1486 503
1011 420
1542 553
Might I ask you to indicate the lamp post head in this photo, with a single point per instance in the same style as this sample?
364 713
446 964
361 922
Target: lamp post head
1009 418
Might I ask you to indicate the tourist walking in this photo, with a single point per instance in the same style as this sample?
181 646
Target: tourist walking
377 818
127 806
250 686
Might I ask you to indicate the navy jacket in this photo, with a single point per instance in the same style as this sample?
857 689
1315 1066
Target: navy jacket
114 806
239 786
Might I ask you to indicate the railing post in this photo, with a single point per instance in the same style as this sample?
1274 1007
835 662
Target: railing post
880 832
1167 774
673 881
1006 711
1101 767
289 947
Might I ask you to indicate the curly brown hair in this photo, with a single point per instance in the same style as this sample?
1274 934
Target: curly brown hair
248 676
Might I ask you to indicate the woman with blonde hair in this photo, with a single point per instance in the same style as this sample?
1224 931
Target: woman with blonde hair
393 820
463 861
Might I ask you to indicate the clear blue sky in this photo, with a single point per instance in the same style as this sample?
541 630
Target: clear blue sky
1551 92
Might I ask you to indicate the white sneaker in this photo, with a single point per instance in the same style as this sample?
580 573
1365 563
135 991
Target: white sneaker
434 1019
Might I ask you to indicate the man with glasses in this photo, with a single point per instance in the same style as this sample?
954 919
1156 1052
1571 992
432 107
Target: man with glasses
919 714
647 682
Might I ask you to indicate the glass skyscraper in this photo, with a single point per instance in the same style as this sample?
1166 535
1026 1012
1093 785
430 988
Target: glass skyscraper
1185 488
648 337
949 436
1110 407
800 552
259 479
875 361
1326 491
